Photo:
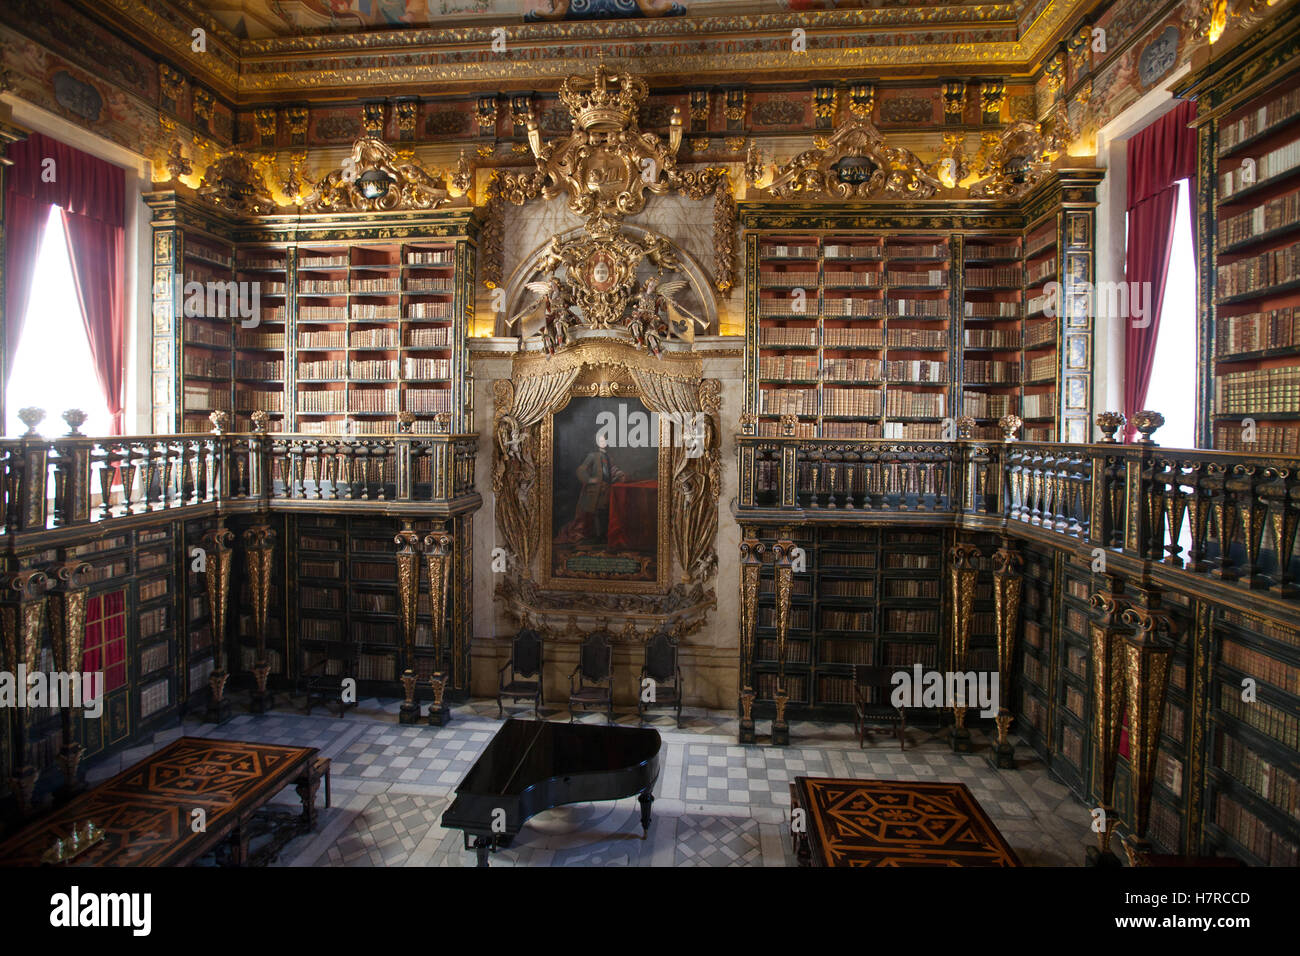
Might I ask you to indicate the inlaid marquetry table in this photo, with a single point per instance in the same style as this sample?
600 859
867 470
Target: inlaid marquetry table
892 823
147 814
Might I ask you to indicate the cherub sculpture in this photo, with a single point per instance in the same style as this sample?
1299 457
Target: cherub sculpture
655 315
549 315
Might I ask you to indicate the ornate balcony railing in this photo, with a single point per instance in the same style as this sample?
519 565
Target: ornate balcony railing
77 480
1229 518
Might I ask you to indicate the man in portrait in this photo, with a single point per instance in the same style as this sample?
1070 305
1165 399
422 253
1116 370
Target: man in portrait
596 474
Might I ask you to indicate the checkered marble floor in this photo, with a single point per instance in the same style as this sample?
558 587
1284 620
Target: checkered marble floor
716 803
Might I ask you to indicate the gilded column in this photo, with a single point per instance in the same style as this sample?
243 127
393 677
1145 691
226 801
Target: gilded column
438 559
259 551
782 561
216 545
21 618
751 565
1007 583
1147 653
408 587
1107 650
67 601
963 560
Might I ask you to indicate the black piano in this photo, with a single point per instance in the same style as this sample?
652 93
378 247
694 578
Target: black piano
532 765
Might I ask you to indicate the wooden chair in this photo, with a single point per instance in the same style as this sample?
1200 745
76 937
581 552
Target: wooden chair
661 666
325 665
520 678
594 675
872 687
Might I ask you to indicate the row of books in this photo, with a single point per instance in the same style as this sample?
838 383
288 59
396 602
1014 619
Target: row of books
155 697
197 333
440 257
1040 334
854 588
991 310
911 430
1041 368
796 687
911 620
1273 163
1276 328
790 401
917 308
1258 836
1041 405
427 368
152 622
1040 241
373 370
200 250
917 338
322 286
839 250
911 588
323 371
1040 271
1260 391
254 400
323 262
263 263
991 371
155 657
933 278
854 402
246 368
206 367
1275 784
976 251
900 403
916 370
994 276
991 339
202 398
838 650
1283 725
787 251
386 284
1261 666
850 369
836 620
1273 113
800 618
337 341
1261 627
1035 670
260 341
853 338
795 366
430 284
1274 214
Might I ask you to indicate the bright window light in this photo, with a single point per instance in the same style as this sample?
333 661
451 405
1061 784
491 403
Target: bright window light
53 369
1173 376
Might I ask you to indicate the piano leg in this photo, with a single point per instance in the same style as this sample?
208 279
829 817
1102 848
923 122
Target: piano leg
646 799
482 846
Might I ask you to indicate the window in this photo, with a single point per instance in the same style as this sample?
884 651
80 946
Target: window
53 369
1173 373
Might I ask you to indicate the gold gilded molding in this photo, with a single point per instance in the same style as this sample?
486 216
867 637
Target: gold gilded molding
751 566
438 560
375 178
855 163
233 183
1008 582
1021 158
1108 690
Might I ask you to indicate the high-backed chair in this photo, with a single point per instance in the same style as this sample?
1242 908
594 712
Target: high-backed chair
325 665
872 688
592 682
520 678
661 666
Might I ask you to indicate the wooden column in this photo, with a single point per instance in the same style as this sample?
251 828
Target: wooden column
1106 640
20 618
438 558
259 551
67 601
1147 656
964 571
751 565
1007 584
408 586
781 553
216 545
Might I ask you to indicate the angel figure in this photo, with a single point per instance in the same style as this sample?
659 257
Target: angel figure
549 314
656 315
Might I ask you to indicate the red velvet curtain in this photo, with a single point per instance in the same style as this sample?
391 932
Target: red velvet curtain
1158 157
92 195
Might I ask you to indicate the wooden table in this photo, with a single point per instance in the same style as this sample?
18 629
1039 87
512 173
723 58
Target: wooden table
147 812
892 823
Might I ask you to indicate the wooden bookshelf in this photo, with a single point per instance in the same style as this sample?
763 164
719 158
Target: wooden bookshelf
354 325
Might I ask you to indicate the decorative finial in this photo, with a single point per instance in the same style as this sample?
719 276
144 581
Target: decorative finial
1010 424
31 417
219 422
1146 422
260 421
965 427
75 418
1109 423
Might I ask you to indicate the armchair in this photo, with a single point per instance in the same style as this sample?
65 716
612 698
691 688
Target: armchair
520 678
661 666
872 687
592 682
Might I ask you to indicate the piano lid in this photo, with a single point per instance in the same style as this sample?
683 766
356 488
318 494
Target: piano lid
524 752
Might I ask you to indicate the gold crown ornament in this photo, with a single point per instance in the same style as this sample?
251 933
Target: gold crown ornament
608 101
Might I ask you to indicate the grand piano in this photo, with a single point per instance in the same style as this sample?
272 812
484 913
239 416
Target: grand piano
531 766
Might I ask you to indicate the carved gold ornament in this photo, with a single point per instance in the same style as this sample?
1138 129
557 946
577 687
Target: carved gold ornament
375 178
233 183
854 163
1019 160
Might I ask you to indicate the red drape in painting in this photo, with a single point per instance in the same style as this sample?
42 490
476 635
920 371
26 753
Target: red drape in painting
1158 157
91 193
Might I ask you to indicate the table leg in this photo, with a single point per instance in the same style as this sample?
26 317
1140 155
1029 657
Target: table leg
307 786
482 846
646 799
